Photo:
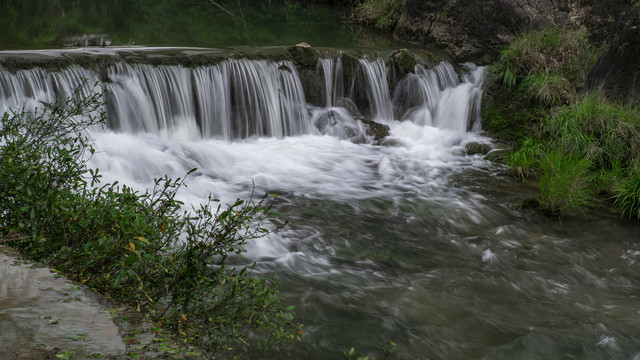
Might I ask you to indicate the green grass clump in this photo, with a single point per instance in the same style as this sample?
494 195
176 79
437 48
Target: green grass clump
564 182
183 269
589 147
627 193
549 65
383 14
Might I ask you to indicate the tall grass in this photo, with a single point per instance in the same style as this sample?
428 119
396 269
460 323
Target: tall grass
564 182
591 146
549 65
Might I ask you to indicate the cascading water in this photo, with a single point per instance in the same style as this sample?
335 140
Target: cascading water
413 241
377 89
333 119
232 100
436 97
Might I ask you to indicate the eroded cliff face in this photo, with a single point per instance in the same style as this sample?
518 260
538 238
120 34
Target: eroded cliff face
475 30
617 72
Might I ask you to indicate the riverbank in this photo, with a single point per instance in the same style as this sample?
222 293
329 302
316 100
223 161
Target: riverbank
45 315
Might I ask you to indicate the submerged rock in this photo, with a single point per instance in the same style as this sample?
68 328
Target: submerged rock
377 130
475 148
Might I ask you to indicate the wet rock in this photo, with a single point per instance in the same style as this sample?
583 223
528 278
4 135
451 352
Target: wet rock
401 63
303 55
377 130
498 155
475 148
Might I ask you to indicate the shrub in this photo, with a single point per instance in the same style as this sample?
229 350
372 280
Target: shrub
183 269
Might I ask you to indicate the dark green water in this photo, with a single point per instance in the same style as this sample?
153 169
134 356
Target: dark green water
37 24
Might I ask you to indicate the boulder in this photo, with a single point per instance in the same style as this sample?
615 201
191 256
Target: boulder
401 63
303 55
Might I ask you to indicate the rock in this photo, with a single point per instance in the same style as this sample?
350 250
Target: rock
377 130
401 63
498 155
303 55
475 148
475 30
617 72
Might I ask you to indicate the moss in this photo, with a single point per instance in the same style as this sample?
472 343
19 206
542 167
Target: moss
303 55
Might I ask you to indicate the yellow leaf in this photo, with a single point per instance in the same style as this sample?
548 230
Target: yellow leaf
223 282
162 228
183 317
10 161
140 238
182 332
132 247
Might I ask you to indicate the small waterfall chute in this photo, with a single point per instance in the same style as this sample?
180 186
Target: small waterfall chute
439 97
377 89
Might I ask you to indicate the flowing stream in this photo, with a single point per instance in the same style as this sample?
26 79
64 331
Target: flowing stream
411 241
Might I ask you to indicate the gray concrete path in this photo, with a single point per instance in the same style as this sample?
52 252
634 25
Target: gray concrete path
43 313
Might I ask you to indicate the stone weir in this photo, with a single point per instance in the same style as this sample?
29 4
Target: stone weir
224 93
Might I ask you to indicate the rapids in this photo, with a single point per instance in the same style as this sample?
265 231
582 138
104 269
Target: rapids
412 241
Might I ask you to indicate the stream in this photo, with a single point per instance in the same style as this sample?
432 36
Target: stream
411 241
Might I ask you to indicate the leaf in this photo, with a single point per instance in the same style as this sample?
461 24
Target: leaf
140 238
132 248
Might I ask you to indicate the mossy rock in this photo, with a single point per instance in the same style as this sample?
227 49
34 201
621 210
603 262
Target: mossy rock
498 155
303 55
402 62
475 148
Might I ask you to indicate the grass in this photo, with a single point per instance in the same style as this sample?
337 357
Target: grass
589 147
548 66
564 182
582 144
383 14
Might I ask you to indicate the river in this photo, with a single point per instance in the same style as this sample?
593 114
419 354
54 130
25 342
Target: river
410 240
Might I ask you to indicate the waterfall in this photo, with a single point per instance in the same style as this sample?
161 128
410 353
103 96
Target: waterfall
334 119
377 89
41 86
239 98
234 99
333 85
438 97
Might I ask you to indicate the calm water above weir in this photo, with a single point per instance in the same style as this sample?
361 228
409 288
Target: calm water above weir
411 241
38 24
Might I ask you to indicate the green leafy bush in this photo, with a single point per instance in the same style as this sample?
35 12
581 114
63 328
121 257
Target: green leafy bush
183 269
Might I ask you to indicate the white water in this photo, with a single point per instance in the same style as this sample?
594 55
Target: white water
412 241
